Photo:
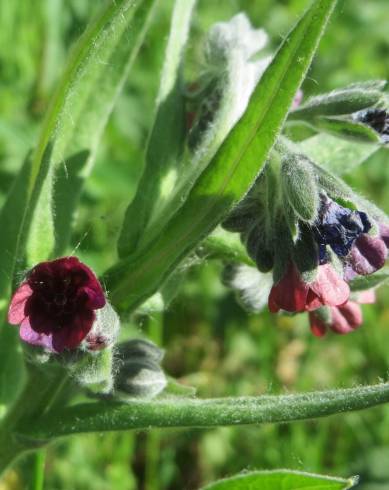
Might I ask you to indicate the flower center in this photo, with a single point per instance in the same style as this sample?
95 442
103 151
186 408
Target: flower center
60 299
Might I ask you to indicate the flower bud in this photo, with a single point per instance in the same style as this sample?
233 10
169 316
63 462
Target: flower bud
342 101
251 286
258 247
140 348
340 319
141 378
305 255
377 119
367 255
105 330
299 186
139 373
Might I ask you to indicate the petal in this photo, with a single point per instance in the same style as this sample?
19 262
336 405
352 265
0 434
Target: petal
352 312
96 299
368 254
290 293
27 334
39 318
329 287
313 301
367 297
384 233
339 323
70 337
16 310
318 326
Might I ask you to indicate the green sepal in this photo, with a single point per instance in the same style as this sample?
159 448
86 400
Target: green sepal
362 283
305 255
283 246
345 128
299 186
92 370
342 101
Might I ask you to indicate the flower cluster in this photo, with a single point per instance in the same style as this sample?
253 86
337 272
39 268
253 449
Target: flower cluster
57 304
316 236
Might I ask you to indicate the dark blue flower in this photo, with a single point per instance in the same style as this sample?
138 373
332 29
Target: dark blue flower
338 227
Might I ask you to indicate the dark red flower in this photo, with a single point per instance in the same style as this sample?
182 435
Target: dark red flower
293 294
340 319
55 304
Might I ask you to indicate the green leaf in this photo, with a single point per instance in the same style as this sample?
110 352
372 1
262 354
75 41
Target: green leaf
335 154
233 169
362 283
285 479
166 143
97 69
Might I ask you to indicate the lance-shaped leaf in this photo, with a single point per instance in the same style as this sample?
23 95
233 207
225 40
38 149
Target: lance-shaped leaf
285 479
95 74
232 170
166 143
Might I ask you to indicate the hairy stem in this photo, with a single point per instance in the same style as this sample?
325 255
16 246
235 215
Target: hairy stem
173 412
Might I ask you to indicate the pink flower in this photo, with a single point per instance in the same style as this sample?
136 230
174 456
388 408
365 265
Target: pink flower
340 319
55 305
293 294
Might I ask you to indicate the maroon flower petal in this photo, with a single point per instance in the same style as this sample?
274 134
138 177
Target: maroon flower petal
290 293
70 338
96 299
16 312
39 317
318 326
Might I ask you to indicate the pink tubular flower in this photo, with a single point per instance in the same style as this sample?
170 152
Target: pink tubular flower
340 319
293 294
55 304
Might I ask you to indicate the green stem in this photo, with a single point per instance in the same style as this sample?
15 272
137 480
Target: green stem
111 416
38 470
34 400
225 246
153 439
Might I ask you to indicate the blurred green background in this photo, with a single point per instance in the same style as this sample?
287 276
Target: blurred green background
211 342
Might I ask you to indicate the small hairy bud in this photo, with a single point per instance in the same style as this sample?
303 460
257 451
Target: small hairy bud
299 186
139 372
